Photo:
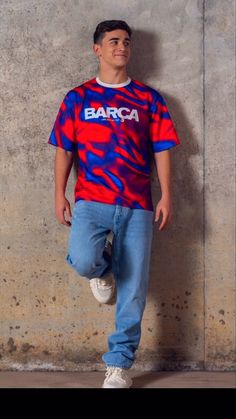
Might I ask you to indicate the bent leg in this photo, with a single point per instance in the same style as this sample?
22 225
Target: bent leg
87 242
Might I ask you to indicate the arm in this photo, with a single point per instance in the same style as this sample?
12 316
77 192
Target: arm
163 166
62 168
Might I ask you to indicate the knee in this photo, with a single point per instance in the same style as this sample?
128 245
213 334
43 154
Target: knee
83 266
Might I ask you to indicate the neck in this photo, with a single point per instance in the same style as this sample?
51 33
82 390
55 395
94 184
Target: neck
112 76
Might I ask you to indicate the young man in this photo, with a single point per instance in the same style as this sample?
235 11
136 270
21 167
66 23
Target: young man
113 122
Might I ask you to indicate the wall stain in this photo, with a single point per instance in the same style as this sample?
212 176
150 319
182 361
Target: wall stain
17 302
26 347
12 346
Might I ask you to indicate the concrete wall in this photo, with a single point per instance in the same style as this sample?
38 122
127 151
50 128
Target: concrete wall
185 49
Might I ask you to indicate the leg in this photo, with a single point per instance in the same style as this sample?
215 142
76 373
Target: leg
131 259
87 241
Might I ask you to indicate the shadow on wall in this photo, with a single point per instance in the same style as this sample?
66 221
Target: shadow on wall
144 61
176 277
176 268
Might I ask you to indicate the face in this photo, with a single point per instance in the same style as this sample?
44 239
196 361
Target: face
114 49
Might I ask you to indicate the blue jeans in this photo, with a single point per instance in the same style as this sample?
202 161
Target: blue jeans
131 250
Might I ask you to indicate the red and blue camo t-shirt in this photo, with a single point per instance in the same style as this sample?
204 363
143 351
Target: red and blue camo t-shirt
113 128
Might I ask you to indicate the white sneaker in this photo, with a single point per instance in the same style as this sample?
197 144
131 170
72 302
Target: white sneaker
103 289
117 378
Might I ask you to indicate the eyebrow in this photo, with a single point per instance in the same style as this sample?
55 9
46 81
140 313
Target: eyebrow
115 39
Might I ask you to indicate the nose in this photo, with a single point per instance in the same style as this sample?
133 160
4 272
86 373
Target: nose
121 47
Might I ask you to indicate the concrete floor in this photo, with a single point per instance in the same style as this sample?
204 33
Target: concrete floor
169 379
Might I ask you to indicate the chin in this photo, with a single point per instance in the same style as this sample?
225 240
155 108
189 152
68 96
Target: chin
119 66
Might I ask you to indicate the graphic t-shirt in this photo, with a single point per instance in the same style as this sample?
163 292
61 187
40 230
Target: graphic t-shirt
114 129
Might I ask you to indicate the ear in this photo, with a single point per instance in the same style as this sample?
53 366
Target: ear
96 49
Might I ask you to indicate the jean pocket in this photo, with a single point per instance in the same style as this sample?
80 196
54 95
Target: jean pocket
76 207
79 202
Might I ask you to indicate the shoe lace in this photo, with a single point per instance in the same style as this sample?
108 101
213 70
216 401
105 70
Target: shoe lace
116 372
105 282
102 282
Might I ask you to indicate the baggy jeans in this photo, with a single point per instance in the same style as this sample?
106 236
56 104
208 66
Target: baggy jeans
131 250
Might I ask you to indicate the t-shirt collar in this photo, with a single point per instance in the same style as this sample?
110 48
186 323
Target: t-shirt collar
125 83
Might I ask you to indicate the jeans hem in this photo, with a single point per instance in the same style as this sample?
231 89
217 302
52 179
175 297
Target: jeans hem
118 366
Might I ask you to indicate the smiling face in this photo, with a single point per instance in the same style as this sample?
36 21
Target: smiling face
114 49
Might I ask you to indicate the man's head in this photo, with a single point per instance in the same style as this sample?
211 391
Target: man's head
112 40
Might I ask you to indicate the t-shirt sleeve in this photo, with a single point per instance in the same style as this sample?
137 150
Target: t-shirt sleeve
63 132
162 131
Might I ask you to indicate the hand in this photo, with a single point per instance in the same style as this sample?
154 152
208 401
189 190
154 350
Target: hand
165 207
62 206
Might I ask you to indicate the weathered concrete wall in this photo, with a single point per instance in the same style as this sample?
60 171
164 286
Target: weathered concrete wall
185 49
219 155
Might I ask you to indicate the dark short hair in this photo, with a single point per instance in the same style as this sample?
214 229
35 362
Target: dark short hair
108 26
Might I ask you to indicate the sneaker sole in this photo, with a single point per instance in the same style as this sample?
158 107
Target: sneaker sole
108 386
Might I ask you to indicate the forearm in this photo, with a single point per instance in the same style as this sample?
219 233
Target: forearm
163 166
62 168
